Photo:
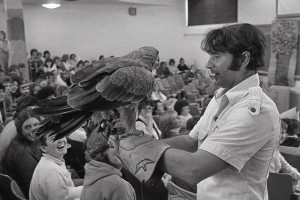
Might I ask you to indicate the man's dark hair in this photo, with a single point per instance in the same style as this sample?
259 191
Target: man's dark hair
236 39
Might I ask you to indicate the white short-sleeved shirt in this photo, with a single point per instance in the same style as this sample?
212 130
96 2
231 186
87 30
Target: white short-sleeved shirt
244 135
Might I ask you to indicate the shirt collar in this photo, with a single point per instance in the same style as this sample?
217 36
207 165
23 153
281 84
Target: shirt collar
51 158
239 91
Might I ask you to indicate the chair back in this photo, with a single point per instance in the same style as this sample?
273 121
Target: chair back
5 189
280 186
178 193
291 155
16 190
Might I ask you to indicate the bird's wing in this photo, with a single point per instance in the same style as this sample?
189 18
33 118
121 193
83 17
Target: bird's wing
127 84
111 66
55 106
87 71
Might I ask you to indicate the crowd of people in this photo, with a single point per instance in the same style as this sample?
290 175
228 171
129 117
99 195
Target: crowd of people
221 151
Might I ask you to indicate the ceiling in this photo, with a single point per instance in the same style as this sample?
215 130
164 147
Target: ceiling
145 2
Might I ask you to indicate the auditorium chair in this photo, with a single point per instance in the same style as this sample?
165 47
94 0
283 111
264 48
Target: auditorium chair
16 190
280 187
5 188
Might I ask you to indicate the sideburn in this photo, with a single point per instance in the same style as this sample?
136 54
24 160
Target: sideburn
235 64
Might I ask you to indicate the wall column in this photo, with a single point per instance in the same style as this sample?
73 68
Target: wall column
16 35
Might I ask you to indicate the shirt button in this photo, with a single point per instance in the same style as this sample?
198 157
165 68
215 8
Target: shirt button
253 110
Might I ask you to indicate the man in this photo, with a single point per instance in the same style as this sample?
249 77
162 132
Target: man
228 152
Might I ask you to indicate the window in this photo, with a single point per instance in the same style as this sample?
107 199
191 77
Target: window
202 12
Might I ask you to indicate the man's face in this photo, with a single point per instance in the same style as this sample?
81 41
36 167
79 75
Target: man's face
56 148
219 65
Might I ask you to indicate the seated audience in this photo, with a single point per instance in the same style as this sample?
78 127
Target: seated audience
23 153
157 94
158 108
34 88
169 124
9 132
65 62
16 89
145 121
278 162
49 66
163 71
73 60
46 55
173 69
182 67
183 110
103 179
79 65
57 62
51 179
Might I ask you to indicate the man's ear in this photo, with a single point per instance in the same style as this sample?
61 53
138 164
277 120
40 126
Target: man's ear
244 59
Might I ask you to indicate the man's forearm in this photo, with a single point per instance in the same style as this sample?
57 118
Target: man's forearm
183 142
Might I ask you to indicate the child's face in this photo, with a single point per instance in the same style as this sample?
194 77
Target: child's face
28 126
185 111
56 148
15 86
7 87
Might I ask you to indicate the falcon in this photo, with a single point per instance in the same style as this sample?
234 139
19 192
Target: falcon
118 82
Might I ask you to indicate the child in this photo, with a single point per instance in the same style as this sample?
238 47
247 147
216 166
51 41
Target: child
102 174
182 107
51 179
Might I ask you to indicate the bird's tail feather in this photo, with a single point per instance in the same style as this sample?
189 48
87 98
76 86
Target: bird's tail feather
62 125
61 119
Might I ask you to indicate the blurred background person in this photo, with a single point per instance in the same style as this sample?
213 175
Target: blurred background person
4 49
172 67
145 121
182 107
23 153
182 67
169 124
